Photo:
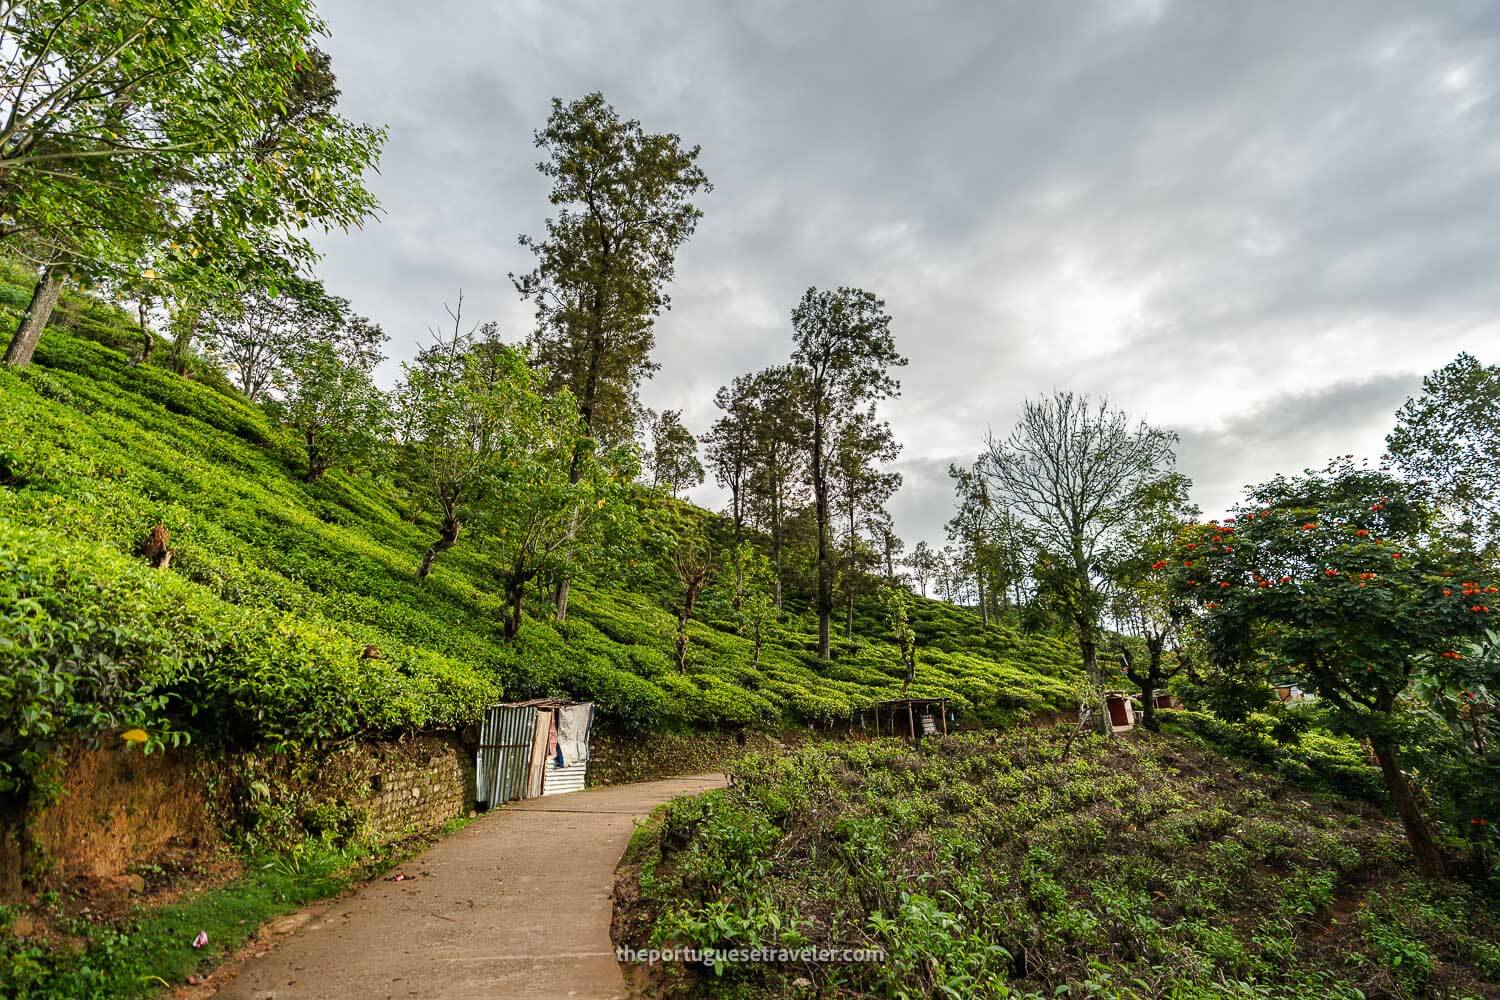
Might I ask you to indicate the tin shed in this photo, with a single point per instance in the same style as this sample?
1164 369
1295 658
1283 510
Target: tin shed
532 748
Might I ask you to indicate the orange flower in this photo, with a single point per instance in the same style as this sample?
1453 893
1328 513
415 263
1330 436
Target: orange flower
1310 525
1362 533
1330 571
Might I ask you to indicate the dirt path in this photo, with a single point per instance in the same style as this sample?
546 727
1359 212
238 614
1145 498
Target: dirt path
515 905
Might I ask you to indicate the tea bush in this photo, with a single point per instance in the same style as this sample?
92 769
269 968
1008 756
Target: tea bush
989 865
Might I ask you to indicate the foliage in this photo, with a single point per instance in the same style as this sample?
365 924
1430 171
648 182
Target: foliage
993 865
333 406
1450 436
625 209
673 453
1330 579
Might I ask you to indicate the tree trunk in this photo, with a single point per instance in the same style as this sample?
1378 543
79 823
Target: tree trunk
448 535
984 608
1153 678
1090 651
1418 836
825 571
182 343
148 342
515 593
755 660
34 320
849 615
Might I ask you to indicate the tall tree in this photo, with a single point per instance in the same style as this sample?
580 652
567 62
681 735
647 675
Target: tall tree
861 490
969 531
673 454
625 208
775 484
845 352
143 139
1071 468
1450 434
897 602
257 336
730 444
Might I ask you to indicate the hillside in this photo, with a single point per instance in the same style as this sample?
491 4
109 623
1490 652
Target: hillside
996 865
255 632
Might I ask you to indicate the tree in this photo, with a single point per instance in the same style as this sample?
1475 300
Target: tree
730 444
604 264
546 511
337 411
1141 602
750 604
256 337
860 490
674 454
145 141
693 564
467 403
968 529
1330 578
774 486
897 602
844 353
1450 434
1070 469
923 563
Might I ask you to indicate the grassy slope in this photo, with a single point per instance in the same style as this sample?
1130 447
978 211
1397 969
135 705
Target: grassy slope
988 866
281 583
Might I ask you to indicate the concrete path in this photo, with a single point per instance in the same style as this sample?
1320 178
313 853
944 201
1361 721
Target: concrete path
517 904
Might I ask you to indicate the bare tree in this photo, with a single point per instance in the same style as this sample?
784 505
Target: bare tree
1070 470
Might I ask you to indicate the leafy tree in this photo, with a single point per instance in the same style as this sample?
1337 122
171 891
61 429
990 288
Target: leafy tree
334 407
775 487
1142 603
146 140
730 444
923 563
1330 578
897 603
887 543
1070 470
256 337
674 454
625 209
1450 435
468 403
693 563
844 353
861 490
545 511
968 529
750 603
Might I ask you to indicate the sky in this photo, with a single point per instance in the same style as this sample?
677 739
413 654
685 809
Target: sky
1258 224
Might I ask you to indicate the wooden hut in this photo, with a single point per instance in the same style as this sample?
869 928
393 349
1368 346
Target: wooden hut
913 718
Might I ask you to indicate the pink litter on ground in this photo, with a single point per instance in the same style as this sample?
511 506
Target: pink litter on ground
201 939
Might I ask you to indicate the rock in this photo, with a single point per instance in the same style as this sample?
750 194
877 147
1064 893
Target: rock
289 923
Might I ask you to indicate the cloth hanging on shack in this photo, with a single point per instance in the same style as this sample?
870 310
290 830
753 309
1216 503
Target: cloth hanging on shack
573 725
554 748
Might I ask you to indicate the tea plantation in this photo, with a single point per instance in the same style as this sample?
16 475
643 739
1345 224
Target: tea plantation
999 865
257 633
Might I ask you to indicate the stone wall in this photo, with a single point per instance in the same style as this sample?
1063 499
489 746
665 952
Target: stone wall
119 808
417 785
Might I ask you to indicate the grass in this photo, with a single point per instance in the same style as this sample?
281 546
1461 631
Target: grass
990 866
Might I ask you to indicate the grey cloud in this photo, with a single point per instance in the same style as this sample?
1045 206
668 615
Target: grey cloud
1228 217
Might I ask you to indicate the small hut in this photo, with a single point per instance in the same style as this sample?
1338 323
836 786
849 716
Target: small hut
1121 707
913 718
532 748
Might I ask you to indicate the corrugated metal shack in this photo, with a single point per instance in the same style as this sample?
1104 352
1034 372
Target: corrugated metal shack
532 748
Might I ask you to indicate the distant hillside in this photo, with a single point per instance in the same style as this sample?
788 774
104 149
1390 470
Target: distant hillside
256 631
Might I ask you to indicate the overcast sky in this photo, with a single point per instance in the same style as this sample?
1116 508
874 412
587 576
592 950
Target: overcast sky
1257 223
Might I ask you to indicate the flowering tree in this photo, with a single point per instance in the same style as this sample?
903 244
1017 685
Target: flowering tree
1332 578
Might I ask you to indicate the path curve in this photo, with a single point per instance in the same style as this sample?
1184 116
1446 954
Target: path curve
516 905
